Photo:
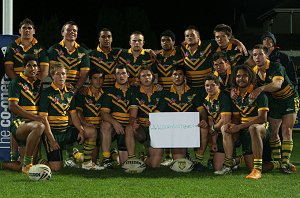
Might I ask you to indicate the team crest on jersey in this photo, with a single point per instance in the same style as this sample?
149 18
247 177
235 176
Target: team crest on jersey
232 57
186 54
61 53
90 101
25 87
56 100
142 102
36 51
201 53
217 107
173 101
100 60
190 98
127 62
17 51
69 99
80 55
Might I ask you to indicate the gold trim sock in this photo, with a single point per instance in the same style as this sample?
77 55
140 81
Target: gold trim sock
287 148
257 164
276 149
88 148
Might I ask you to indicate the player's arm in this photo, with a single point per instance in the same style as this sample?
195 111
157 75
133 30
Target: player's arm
261 118
106 116
18 110
52 141
275 85
78 125
44 70
82 118
9 70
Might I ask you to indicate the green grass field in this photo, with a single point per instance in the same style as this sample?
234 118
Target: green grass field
71 182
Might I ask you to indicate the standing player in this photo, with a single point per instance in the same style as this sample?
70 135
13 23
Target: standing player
105 57
226 43
166 59
58 105
283 102
25 44
72 55
276 55
135 57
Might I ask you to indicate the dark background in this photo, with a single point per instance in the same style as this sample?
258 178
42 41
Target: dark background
149 17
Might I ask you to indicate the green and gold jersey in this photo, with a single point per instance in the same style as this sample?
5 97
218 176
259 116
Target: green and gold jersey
165 65
90 106
225 79
145 104
247 108
275 70
134 64
189 101
234 56
74 61
117 102
26 93
220 104
198 64
56 105
16 52
106 62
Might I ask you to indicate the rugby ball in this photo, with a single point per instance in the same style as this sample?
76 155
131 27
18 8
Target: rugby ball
182 165
134 166
39 172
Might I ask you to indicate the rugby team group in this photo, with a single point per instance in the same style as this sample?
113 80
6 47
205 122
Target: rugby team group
98 96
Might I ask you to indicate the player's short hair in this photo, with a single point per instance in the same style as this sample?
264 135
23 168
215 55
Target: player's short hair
26 21
55 66
261 46
193 27
147 68
68 23
121 66
212 77
104 30
96 71
179 67
223 28
220 54
168 33
29 57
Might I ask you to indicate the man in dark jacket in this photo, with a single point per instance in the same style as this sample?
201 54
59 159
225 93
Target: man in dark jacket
276 55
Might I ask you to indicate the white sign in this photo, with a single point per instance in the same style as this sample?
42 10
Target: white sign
174 129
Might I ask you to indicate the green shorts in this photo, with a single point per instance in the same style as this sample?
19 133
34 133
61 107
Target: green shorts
63 139
279 108
13 129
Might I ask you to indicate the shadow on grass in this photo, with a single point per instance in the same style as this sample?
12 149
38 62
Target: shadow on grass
162 172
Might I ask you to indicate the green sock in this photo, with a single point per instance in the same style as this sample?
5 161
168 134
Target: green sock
28 160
